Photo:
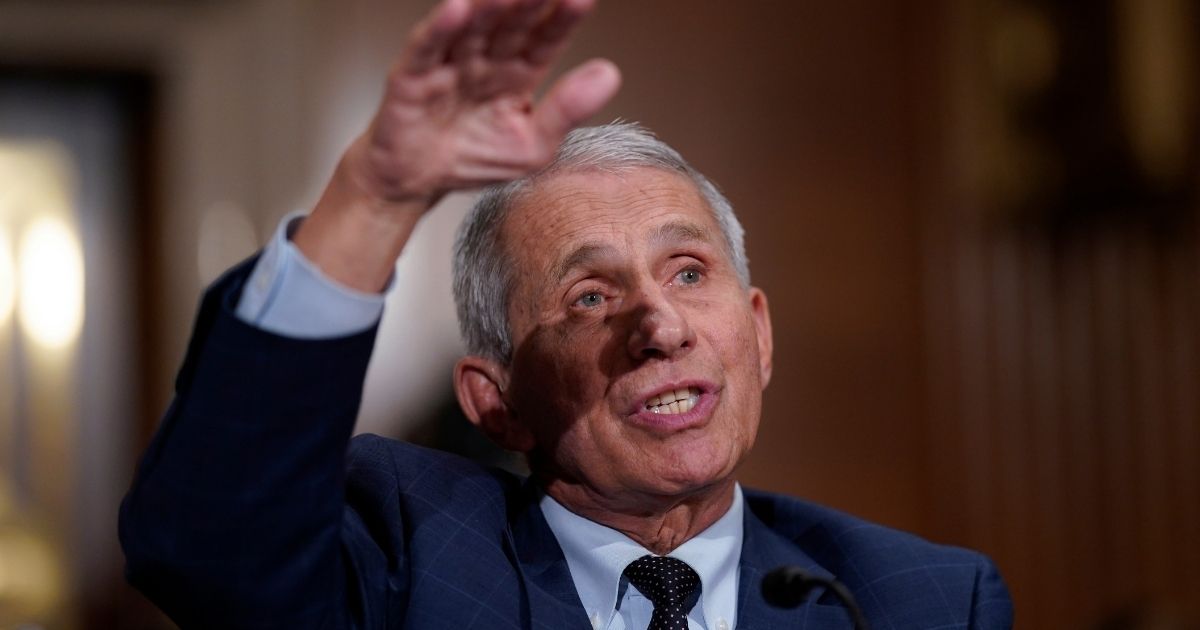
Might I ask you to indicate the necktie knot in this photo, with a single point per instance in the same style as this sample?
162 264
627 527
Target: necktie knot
670 584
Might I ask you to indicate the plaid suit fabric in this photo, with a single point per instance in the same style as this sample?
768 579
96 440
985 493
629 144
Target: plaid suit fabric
252 508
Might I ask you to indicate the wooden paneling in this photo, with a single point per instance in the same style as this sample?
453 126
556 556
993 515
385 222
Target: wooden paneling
1075 410
1064 355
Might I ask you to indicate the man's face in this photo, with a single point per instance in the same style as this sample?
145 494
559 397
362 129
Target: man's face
639 359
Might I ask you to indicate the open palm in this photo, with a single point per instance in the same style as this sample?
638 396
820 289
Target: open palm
459 110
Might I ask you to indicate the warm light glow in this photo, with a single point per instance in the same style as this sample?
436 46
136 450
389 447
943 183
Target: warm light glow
1156 64
51 289
32 584
8 278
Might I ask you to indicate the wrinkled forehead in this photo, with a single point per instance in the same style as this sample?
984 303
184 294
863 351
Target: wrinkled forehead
557 215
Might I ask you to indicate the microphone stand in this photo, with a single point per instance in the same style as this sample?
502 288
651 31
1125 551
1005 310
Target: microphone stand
788 586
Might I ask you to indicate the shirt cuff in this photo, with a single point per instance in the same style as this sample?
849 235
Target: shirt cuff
288 295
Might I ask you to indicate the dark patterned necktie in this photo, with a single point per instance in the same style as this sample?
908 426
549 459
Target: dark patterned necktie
670 584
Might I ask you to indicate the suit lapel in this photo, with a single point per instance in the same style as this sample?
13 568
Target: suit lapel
553 602
764 550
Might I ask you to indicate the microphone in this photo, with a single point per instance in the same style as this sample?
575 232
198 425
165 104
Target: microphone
789 586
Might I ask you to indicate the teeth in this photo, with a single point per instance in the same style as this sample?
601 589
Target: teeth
679 401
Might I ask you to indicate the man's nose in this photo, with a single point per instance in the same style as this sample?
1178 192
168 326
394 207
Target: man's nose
660 328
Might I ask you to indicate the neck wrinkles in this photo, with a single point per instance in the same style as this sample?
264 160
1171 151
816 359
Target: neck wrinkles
660 524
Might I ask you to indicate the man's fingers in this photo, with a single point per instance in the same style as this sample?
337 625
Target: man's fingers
430 40
551 36
576 97
473 41
514 30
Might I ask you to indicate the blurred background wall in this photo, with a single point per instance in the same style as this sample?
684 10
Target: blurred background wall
975 219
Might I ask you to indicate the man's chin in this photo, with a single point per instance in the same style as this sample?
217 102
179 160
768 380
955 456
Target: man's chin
685 484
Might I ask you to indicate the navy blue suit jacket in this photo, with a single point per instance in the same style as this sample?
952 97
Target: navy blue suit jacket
252 508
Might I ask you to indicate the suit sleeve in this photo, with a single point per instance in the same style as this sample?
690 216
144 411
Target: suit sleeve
992 607
236 515
287 294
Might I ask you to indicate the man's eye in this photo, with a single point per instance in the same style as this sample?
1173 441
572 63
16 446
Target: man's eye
590 300
689 276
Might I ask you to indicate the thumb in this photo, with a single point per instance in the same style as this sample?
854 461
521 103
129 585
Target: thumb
575 97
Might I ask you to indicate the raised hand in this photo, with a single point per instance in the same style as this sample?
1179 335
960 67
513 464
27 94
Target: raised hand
458 112
459 109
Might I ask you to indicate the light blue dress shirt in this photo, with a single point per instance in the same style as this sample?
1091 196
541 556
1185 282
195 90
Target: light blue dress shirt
288 295
597 556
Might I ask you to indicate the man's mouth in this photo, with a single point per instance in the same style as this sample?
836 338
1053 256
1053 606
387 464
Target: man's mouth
674 402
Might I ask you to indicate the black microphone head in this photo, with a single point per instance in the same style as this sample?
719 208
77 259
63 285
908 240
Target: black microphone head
788 586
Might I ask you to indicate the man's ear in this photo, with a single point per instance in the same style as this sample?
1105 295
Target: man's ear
762 326
480 385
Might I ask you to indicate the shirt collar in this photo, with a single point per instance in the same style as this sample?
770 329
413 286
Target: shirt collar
597 556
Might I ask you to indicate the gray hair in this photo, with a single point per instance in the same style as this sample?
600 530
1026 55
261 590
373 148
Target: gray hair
483 273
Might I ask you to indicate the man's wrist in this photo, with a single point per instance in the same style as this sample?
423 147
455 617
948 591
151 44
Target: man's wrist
382 183
355 237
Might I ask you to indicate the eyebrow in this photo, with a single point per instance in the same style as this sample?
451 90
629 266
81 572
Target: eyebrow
680 231
586 253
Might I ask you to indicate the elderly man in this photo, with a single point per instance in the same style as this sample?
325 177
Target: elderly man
614 339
